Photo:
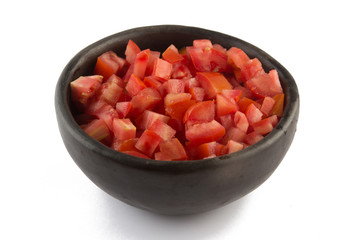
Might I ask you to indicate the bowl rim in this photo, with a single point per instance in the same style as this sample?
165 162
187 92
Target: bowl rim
64 114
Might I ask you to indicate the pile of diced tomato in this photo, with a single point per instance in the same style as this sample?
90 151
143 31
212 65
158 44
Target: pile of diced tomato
198 102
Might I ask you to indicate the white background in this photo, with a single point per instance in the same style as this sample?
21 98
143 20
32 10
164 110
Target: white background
314 194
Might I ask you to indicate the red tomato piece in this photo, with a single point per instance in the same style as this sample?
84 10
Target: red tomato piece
162 69
253 114
97 129
200 112
202 43
245 102
233 146
162 129
200 58
134 85
107 113
253 138
205 132
180 71
174 149
263 126
84 88
109 63
241 121
175 86
219 61
123 108
197 93
263 85
145 120
131 51
148 142
234 134
213 83
219 48
267 105
136 154
206 150
152 82
140 63
278 106
233 95
191 82
224 106
150 65
172 55
124 145
237 57
227 121
251 68
146 99
110 92
124 129
245 92
176 104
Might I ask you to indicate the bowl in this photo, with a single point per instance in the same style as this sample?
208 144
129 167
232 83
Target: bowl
173 187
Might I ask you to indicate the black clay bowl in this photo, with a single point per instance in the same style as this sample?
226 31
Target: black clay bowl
174 187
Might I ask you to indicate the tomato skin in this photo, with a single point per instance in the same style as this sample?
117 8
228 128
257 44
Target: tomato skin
205 132
245 102
213 83
278 106
124 145
172 55
136 154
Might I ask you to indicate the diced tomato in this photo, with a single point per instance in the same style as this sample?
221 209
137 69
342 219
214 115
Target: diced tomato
218 61
253 138
245 102
124 145
202 43
134 85
200 57
278 106
148 142
97 129
274 120
208 149
162 129
136 154
140 63
162 69
241 121
213 83
200 112
152 82
227 121
124 129
219 48
245 92
131 51
205 132
107 113
263 126
85 87
234 134
237 57
109 63
233 146
224 106
233 95
175 86
253 114
146 99
145 120
162 156
263 85
115 79
174 149
110 92
172 55
251 68
191 82
123 108
267 105
176 104
197 93
180 71
150 65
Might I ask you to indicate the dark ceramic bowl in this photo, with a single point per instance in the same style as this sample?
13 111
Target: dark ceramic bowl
174 187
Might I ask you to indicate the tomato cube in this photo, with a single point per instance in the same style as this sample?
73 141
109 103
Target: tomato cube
200 112
251 68
136 154
162 69
134 85
172 54
263 85
233 146
152 82
267 105
174 149
84 88
224 106
237 57
263 126
148 142
162 129
241 121
200 58
145 120
131 51
205 132
175 86
150 65
110 92
253 138
253 114
176 104
124 145
124 129
146 99
109 63
197 93
140 63
213 83
278 106
97 129
107 113
123 108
